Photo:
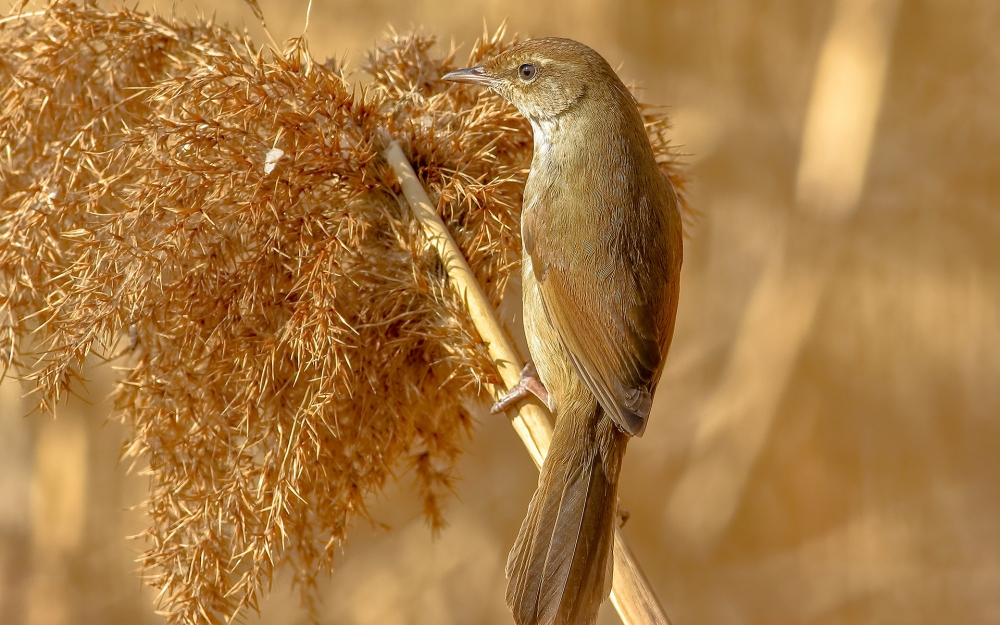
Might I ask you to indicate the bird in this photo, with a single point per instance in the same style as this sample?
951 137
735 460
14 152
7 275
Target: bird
601 258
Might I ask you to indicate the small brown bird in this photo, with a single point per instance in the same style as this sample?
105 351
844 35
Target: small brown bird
600 269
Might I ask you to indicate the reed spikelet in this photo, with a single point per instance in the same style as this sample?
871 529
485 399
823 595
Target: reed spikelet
218 220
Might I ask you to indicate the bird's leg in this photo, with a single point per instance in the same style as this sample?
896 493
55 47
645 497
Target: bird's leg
529 383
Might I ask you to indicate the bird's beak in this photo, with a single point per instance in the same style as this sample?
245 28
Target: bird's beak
473 75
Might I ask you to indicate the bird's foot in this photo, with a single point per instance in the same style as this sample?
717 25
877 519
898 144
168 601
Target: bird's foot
529 383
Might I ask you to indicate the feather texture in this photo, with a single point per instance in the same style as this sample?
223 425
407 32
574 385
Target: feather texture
559 568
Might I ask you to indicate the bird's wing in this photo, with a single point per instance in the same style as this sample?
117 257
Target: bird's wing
608 328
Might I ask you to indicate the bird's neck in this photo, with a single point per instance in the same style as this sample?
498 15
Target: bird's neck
545 132
587 140
588 158
560 142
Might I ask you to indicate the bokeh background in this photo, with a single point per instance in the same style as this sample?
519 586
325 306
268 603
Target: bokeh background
825 440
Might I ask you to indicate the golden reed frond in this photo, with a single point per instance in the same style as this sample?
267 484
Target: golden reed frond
292 343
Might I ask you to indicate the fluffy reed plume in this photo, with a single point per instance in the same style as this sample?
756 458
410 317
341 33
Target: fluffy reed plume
287 342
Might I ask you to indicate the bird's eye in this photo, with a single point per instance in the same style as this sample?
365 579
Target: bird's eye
527 72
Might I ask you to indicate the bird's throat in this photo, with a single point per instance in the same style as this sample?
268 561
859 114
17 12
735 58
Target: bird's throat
544 131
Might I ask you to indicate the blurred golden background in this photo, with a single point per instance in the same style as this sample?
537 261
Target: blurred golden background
824 445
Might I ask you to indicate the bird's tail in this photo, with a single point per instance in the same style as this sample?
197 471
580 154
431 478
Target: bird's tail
559 570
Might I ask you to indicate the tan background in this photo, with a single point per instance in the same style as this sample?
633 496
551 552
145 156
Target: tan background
825 437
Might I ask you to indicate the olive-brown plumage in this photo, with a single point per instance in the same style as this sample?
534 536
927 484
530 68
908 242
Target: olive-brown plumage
600 271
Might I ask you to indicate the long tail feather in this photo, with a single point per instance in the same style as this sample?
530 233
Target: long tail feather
558 570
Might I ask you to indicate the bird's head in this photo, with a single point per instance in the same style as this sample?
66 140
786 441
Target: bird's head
544 78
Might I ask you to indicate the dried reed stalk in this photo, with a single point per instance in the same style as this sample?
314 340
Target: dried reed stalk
219 221
531 420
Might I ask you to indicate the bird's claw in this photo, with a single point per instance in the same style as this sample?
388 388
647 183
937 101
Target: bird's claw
528 384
